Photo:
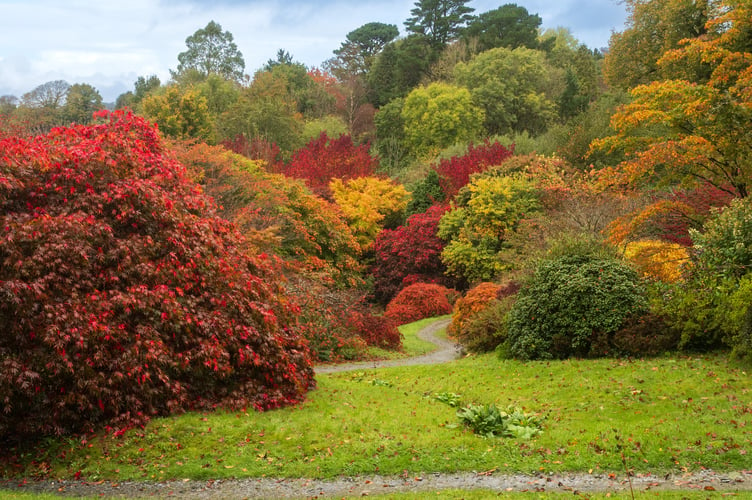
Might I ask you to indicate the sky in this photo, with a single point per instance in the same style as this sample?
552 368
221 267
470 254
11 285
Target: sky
109 44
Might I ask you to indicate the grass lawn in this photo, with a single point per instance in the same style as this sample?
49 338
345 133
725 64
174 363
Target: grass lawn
666 414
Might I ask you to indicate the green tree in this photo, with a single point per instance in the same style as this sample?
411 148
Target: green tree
480 222
357 52
211 50
142 87
439 20
81 102
438 116
180 112
508 26
515 88
50 95
400 67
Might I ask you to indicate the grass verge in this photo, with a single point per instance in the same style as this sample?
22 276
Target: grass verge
667 414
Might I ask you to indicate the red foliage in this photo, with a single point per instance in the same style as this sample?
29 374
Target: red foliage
418 301
475 301
455 172
256 149
675 226
123 296
324 159
409 254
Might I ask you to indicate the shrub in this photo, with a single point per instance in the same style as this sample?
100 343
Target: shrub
724 248
455 172
569 299
487 329
475 300
418 301
324 159
123 296
409 254
658 260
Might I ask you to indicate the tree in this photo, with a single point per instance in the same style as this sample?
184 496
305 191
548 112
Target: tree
508 26
142 87
515 87
439 116
439 20
400 67
180 112
212 51
50 95
690 133
476 229
653 28
357 52
81 101
123 295
8 103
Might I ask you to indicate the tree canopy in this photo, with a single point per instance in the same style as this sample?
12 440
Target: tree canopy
211 50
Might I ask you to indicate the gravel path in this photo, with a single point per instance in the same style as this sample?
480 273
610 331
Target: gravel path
266 488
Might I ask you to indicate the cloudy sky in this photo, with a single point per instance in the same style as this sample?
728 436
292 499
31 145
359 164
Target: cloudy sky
109 44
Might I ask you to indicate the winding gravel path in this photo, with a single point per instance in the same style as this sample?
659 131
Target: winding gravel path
266 488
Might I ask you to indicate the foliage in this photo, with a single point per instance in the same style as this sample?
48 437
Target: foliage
475 300
362 45
516 89
419 301
678 131
278 215
182 113
212 51
488 421
369 204
724 248
425 194
409 252
477 228
658 260
508 26
325 158
399 68
571 298
641 337
455 172
441 21
739 321
652 29
123 296
438 116
81 101
486 330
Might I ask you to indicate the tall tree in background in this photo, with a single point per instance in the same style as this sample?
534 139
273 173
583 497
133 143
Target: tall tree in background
81 102
357 52
211 50
49 95
439 20
142 87
508 26
400 67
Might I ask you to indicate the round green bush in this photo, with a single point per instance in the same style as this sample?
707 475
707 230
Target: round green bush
570 300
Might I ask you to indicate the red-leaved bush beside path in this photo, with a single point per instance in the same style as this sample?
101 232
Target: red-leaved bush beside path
419 301
123 296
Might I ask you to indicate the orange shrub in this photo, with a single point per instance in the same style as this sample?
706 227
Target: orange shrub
474 301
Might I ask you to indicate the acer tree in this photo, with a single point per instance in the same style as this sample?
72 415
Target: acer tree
122 294
678 132
212 51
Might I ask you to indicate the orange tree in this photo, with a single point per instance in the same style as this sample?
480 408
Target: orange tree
123 295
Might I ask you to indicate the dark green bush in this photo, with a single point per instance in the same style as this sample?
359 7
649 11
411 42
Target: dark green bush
572 297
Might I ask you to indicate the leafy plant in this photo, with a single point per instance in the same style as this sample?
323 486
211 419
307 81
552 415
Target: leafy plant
488 421
419 301
123 296
448 398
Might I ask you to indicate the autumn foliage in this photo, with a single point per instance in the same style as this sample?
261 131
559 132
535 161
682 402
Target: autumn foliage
325 158
123 296
418 301
475 300
409 254
454 173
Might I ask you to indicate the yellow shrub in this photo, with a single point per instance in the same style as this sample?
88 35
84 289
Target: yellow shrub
659 260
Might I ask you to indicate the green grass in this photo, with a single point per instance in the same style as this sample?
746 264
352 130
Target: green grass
411 344
667 414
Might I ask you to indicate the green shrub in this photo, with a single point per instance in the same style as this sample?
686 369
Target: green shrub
570 299
724 248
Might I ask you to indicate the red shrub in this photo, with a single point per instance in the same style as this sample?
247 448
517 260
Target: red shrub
455 172
256 149
409 254
324 159
418 301
475 301
123 296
